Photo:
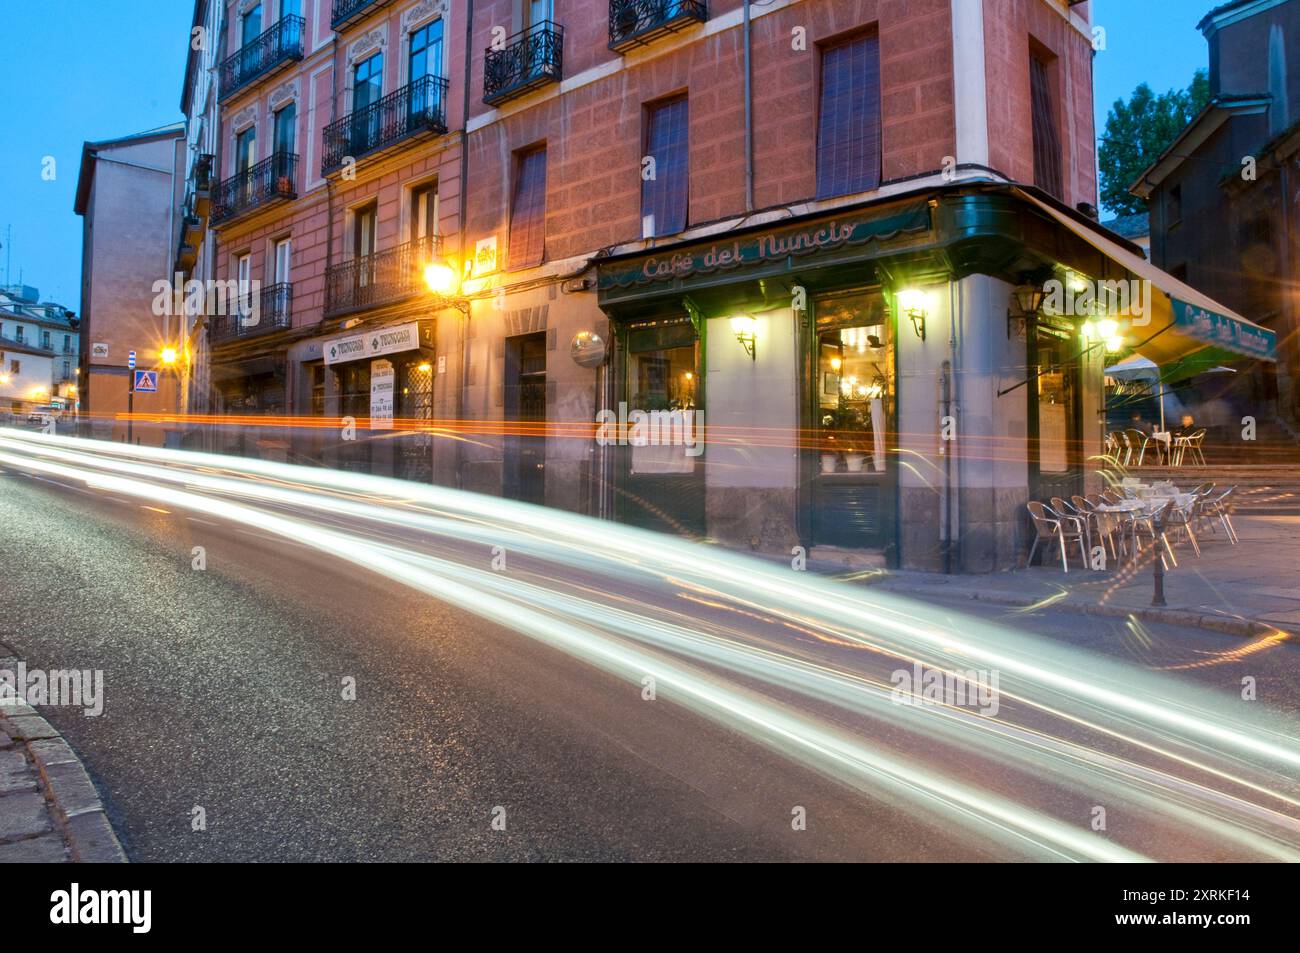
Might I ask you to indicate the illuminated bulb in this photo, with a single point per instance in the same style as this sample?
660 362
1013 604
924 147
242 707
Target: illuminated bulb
441 278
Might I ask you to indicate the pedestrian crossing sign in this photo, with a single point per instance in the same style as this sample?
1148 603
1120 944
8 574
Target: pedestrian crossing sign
146 382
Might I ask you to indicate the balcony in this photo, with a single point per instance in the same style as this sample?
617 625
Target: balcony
276 309
634 23
264 56
383 278
348 12
416 110
529 60
269 182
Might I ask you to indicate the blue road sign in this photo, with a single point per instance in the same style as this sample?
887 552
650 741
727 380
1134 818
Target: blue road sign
146 382
130 359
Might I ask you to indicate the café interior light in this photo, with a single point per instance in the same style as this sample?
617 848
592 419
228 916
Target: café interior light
745 327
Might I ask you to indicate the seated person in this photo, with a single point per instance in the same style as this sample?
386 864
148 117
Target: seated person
1187 428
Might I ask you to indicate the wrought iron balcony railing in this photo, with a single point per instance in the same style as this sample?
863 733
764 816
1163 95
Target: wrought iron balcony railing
419 108
274 314
638 22
277 47
529 59
383 278
270 181
348 12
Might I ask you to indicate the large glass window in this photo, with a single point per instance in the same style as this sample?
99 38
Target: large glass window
848 121
286 123
250 26
853 384
426 51
663 376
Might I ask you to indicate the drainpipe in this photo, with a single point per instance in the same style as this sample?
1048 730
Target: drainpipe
749 119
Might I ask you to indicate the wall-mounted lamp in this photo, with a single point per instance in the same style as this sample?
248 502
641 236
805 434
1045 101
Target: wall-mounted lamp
168 356
1029 299
745 327
1108 330
441 277
911 303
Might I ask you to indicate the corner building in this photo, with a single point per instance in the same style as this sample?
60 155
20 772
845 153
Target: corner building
823 259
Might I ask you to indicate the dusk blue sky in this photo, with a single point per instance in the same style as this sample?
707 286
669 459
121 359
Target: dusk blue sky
75 70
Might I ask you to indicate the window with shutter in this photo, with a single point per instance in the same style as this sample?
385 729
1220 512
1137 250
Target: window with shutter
1047 142
528 210
664 195
848 122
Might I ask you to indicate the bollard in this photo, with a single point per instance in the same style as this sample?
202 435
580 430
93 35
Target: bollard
1158 567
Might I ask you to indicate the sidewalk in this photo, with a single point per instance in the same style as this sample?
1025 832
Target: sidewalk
1247 589
50 811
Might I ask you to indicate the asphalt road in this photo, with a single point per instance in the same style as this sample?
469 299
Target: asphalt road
224 690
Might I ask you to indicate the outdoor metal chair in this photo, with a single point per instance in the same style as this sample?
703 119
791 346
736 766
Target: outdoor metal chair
1105 524
1219 507
1050 525
1150 522
1182 517
1190 444
1136 441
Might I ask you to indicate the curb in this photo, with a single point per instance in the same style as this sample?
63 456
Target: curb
74 803
1245 628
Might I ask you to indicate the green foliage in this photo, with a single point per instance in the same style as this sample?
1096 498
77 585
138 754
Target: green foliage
1137 132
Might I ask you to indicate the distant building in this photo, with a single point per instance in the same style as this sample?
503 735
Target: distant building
128 193
1221 196
195 245
1135 228
38 352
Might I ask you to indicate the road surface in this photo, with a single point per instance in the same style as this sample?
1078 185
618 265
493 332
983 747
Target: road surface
226 684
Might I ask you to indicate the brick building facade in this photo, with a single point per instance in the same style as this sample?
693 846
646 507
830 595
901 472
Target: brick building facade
820 259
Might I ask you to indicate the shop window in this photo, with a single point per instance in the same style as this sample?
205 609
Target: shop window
1047 140
663 380
528 210
848 122
665 182
853 384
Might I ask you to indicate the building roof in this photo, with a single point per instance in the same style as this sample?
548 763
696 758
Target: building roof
1204 124
46 313
22 347
90 149
1130 226
1234 10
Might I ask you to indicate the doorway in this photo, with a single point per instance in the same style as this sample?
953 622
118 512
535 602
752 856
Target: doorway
852 400
524 476
1055 447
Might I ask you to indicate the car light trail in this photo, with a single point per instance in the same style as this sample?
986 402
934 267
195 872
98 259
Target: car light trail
1175 753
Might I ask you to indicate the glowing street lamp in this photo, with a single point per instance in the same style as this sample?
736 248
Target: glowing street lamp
168 356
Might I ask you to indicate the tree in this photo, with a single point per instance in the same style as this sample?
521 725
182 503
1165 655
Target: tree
1137 132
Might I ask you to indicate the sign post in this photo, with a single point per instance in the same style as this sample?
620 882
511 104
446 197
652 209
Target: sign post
130 399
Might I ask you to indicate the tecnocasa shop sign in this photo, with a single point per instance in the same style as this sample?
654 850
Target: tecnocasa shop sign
810 238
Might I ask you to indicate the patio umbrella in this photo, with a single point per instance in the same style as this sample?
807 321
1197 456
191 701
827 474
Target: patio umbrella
1138 368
